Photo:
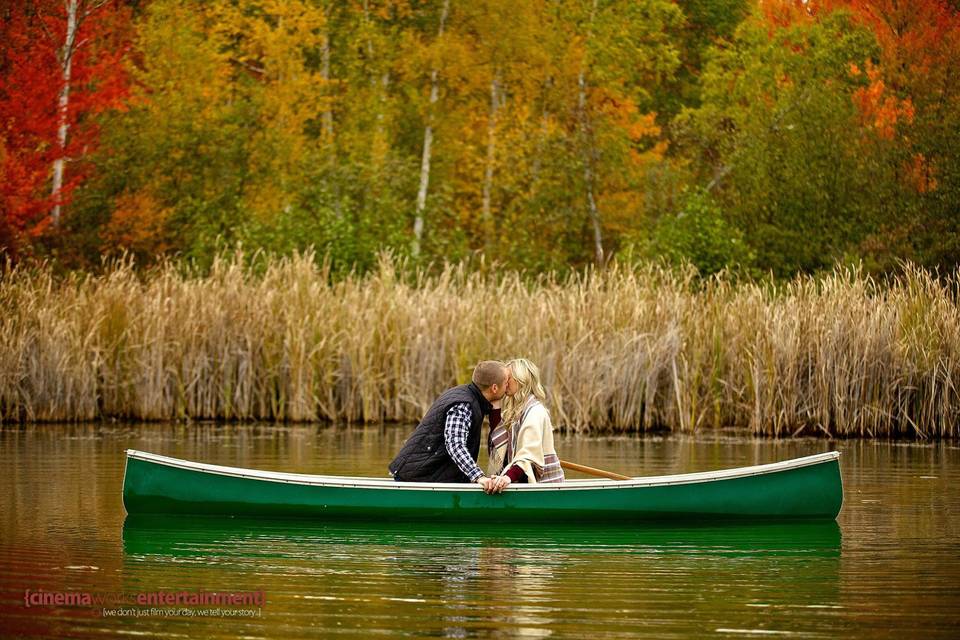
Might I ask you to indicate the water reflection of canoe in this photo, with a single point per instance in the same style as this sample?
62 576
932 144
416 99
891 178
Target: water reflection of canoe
225 537
802 489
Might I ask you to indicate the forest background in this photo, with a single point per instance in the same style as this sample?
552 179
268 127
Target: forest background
774 136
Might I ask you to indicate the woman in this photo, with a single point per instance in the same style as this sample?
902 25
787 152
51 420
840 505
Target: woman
521 447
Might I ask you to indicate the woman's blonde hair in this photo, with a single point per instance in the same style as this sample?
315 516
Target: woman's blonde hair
527 376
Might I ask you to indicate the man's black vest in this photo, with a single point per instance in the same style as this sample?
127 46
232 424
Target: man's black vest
424 456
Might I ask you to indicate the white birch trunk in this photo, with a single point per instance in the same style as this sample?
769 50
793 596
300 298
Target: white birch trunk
427 145
63 104
487 217
588 150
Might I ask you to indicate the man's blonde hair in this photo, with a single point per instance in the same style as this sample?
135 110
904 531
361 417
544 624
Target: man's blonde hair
488 373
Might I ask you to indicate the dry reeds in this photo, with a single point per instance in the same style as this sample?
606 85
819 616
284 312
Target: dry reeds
626 349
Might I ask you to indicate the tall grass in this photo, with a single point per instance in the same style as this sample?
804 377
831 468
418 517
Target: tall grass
626 349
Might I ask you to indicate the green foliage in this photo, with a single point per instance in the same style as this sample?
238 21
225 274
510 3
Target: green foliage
706 23
700 235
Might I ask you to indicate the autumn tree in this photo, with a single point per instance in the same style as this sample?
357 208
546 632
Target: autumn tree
706 23
428 128
279 55
912 103
777 138
501 69
614 130
175 172
60 68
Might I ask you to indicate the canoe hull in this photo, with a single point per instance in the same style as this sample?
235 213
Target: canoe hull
804 492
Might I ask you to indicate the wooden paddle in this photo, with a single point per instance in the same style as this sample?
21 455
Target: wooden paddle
573 466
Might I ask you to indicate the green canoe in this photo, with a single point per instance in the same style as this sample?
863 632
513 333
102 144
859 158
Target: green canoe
801 489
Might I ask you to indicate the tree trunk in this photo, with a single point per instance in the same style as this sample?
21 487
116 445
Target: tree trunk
588 149
326 120
427 145
63 104
542 136
379 86
487 217
327 116
380 145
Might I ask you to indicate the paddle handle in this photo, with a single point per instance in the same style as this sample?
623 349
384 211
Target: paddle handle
573 466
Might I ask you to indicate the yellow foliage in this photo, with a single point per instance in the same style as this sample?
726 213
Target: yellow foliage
268 42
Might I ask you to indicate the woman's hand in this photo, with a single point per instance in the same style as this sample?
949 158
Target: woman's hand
501 483
496 484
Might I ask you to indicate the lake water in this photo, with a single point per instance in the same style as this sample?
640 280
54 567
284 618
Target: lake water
889 567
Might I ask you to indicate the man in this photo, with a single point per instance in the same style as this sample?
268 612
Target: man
446 444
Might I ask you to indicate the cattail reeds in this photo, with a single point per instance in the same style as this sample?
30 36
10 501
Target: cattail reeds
623 349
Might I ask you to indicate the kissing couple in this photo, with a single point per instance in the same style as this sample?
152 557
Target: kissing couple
445 446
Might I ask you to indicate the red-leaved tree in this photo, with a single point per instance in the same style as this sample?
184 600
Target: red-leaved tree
60 66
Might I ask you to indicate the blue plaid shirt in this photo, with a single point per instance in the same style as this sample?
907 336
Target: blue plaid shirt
455 432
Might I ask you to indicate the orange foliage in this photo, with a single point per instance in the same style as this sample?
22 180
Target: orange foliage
623 112
386 9
137 224
912 35
879 110
916 37
920 174
919 42
643 127
784 13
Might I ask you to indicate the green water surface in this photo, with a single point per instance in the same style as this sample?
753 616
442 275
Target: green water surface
889 566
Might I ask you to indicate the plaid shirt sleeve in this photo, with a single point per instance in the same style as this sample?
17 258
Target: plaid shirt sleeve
455 432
